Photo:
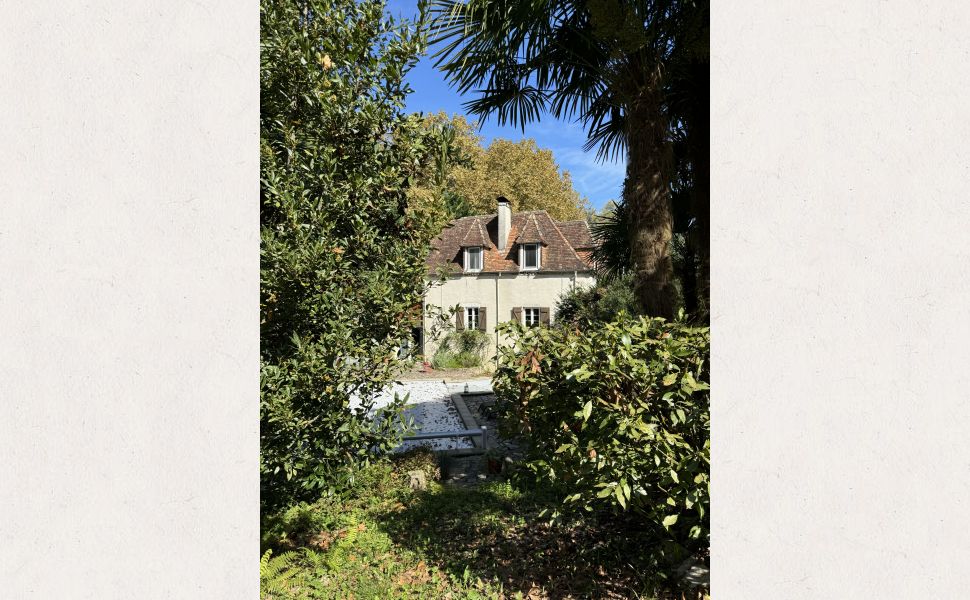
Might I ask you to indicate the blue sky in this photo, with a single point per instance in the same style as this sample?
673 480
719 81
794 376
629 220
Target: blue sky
598 181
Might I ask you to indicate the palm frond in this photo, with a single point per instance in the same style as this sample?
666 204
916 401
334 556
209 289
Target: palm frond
611 233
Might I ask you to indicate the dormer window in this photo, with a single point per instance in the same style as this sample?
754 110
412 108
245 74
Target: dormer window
529 257
473 259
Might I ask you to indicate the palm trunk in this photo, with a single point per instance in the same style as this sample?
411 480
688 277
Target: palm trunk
699 135
646 191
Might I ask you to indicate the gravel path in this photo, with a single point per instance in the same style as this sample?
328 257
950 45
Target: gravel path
432 410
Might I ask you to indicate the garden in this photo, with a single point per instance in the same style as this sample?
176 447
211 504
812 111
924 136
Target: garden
607 495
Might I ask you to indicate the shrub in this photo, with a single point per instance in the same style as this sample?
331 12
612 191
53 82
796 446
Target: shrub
617 416
600 303
461 350
415 459
342 248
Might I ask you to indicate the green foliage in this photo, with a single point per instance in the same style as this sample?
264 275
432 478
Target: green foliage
278 575
468 176
617 416
342 248
461 350
611 232
416 459
634 74
383 540
601 303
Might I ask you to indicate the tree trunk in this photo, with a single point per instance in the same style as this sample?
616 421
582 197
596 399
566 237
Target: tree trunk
646 191
699 143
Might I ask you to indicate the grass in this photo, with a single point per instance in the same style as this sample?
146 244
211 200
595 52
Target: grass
384 540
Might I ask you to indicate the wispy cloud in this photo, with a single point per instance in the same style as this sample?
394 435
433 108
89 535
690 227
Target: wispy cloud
598 181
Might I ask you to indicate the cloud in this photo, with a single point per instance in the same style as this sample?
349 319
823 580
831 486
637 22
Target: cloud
598 181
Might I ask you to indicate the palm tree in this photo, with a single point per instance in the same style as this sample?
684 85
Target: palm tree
689 106
611 232
600 62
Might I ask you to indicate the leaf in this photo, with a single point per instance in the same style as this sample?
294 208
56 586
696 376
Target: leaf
673 475
563 448
669 520
618 492
670 379
587 410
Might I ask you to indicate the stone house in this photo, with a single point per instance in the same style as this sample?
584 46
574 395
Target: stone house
506 266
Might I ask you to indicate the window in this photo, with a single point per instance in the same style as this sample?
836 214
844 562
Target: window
530 257
471 317
530 316
473 258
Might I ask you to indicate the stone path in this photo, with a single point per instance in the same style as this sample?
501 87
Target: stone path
473 470
431 407
456 406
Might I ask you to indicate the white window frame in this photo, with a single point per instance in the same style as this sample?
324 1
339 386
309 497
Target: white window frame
522 265
525 316
481 259
468 317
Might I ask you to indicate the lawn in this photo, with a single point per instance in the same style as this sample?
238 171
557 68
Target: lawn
384 540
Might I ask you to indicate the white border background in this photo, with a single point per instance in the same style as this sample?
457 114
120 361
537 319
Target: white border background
128 301
129 334
840 291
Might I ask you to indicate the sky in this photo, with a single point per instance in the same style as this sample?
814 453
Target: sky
597 181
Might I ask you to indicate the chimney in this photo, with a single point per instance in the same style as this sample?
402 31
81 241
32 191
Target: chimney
504 222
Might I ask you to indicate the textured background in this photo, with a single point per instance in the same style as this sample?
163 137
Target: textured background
841 466
129 290
129 276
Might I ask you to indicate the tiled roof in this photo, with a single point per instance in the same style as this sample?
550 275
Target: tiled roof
475 235
577 232
559 252
531 234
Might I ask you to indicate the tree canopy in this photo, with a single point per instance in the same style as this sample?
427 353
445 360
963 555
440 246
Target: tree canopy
342 247
476 175
632 72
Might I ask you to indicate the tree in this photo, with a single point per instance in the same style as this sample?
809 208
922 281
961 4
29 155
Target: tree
611 257
474 175
524 173
611 231
688 101
342 248
598 61
434 184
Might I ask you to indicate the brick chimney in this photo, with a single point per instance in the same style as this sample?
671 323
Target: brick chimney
504 222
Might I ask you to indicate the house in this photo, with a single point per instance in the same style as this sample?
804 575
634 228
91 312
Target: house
506 266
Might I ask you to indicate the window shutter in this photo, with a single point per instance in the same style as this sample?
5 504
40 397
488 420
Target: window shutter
544 316
481 318
517 314
460 319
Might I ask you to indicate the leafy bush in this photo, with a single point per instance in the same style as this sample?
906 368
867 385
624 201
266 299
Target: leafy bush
416 459
597 304
342 248
461 350
381 539
617 416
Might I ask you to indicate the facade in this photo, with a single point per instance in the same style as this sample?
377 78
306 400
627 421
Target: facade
506 266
